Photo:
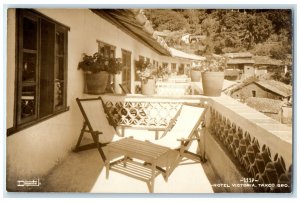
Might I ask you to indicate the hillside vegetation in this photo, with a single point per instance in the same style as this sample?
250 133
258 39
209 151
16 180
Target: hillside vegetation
262 32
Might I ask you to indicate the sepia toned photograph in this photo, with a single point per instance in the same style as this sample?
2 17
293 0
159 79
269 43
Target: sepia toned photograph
144 100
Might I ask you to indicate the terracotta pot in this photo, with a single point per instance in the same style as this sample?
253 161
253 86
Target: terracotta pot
148 87
96 83
195 75
212 83
141 18
148 27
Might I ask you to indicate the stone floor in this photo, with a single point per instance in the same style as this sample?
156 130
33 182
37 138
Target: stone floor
84 172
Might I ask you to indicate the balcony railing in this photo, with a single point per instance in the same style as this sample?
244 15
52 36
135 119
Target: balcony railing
151 113
260 146
173 88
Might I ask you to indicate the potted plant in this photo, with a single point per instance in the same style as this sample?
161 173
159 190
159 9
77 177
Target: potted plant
97 69
213 74
163 73
145 71
140 17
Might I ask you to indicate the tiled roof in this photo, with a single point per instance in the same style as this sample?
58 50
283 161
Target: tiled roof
240 61
276 87
266 60
239 55
202 37
162 34
264 105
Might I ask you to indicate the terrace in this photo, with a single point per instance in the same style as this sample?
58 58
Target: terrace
235 133
241 146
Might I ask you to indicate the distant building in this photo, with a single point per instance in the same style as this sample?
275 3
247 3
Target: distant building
276 109
192 38
183 68
197 38
186 38
239 66
265 64
263 89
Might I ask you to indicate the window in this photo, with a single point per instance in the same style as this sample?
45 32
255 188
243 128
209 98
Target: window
126 71
41 68
165 65
141 58
108 51
155 64
181 69
173 68
253 93
148 60
136 76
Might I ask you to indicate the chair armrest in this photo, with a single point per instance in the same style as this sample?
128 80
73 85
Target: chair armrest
97 132
171 124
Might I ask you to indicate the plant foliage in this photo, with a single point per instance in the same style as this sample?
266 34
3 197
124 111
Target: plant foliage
97 62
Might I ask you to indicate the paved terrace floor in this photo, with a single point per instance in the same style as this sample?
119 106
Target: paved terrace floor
84 172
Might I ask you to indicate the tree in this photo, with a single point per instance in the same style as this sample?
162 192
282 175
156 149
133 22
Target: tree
166 19
228 30
256 29
285 78
278 52
210 27
281 20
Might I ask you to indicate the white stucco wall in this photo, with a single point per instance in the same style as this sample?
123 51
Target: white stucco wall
178 61
10 69
32 152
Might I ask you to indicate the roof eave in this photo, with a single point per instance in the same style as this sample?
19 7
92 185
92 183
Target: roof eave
131 33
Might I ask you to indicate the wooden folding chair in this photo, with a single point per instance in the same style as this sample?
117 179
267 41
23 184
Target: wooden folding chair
185 127
97 124
124 89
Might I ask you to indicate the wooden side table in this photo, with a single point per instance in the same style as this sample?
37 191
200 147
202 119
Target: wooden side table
140 160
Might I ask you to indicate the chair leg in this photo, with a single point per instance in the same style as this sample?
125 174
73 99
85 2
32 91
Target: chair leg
99 147
107 165
149 186
202 157
96 143
80 137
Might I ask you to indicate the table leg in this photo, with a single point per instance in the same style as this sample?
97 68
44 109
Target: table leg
152 177
125 161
